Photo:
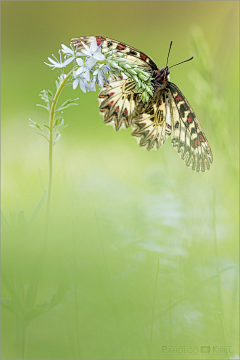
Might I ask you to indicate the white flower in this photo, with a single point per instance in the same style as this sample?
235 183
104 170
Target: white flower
104 68
55 63
81 79
93 53
91 86
83 69
84 81
99 73
99 77
69 60
79 82
72 52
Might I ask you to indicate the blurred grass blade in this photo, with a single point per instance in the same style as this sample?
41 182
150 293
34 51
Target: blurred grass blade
48 305
38 207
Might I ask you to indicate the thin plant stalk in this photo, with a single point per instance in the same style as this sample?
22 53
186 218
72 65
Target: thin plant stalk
110 285
21 336
51 125
76 302
220 313
170 318
153 309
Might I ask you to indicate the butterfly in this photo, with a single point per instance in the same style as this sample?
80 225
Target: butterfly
166 113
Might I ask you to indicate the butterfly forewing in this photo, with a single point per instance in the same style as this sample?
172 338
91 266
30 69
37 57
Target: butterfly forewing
187 135
131 54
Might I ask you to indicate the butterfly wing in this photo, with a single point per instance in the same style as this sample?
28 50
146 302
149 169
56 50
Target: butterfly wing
153 124
167 112
188 137
132 54
117 102
118 98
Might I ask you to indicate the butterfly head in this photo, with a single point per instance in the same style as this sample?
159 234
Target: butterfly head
160 78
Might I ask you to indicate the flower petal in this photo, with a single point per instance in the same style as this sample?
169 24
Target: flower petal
91 86
100 79
75 84
86 48
48 64
79 61
91 62
106 69
86 52
82 85
52 61
86 74
79 70
94 45
99 56
66 50
55 64
80 54
68 61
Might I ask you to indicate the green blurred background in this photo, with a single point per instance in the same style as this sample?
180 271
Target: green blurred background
142 252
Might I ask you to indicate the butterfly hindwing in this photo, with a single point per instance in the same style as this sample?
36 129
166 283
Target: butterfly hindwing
132 54
187 135
118 102
153 124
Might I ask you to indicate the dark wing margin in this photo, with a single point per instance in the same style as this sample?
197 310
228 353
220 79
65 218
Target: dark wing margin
132 54
188 137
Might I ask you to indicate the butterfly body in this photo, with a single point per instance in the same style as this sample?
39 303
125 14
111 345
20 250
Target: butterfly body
160 78
166 113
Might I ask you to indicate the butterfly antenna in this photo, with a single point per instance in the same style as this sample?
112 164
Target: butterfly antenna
181 62
169 51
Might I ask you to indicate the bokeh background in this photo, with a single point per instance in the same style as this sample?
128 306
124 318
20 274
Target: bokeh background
141 257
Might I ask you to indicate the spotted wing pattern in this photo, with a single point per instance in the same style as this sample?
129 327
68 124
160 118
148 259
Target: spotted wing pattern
153 124
132 54
166 113
118 98
117 102
187 135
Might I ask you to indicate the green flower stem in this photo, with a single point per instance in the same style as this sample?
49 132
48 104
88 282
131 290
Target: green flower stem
51 125
21 337
153 309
